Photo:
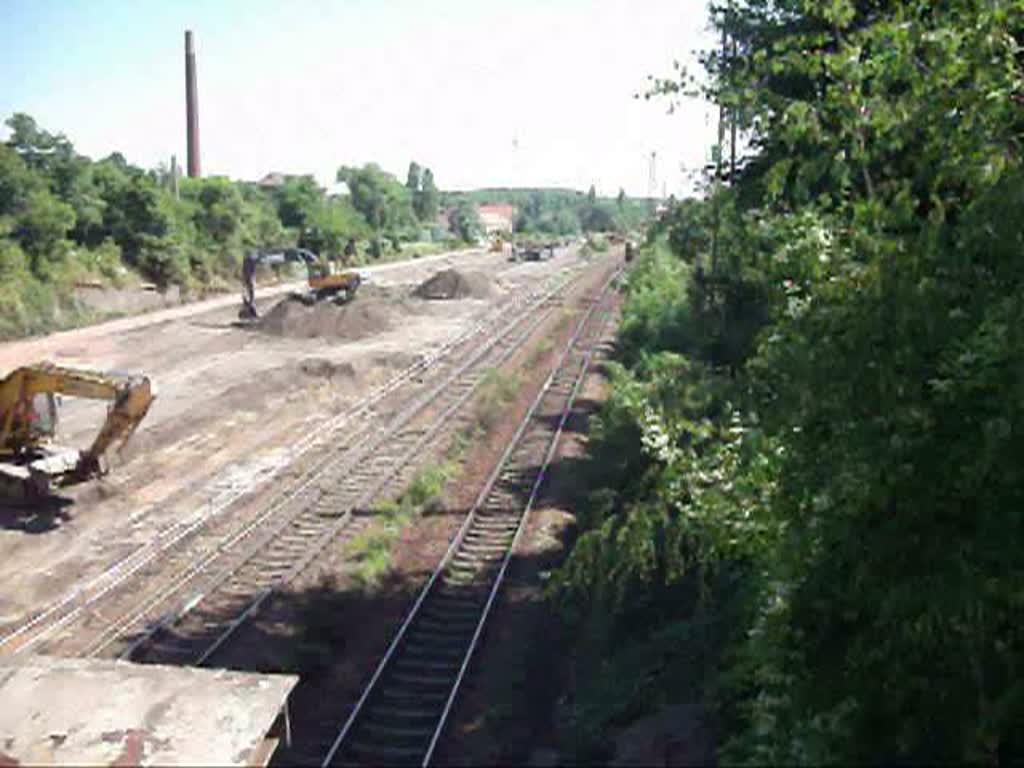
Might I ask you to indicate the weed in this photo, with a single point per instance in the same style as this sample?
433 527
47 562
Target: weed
497 390
541 349
371 551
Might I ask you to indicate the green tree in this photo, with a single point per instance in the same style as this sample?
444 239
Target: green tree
41 228
298 198
466 222
378 196
413 179
819 493
427 204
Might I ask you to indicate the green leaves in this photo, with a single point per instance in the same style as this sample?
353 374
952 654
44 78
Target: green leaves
823 391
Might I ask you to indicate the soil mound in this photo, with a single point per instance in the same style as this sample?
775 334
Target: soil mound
361 318
453 284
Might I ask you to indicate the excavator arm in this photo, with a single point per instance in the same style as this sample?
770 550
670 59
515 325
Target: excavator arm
130 397
270 258
323 279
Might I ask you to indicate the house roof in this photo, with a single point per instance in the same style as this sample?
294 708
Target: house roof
502 210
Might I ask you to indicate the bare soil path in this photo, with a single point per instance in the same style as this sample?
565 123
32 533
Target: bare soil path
230 400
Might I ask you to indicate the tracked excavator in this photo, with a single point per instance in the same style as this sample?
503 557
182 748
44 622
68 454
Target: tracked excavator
30 463
326 282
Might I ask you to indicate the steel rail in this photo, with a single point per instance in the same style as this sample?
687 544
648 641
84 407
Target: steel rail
473 366
454 547
534 493
132 563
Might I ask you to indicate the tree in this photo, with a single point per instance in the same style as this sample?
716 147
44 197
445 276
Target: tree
335 224
412 179
378 196
428 200
809 444
466 222
298 199
41 227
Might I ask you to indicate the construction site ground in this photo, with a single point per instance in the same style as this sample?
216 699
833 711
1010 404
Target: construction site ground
332 629
230 400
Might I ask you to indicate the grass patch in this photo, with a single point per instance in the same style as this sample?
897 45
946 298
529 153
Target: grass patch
371 551
540 350
497 390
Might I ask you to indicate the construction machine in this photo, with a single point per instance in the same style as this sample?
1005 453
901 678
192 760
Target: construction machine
325 281
30 464
533 251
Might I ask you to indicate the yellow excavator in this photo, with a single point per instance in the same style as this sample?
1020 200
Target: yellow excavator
30 464
326 282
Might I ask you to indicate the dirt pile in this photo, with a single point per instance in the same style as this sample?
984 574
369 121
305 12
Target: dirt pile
361 318
453 284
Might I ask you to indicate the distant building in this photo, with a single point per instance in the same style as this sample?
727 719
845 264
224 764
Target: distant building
497 218
274 180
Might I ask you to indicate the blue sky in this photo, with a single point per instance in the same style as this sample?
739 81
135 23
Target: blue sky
522 92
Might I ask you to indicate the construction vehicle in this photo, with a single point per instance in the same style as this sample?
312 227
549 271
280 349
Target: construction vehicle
325 281
30 464
532 251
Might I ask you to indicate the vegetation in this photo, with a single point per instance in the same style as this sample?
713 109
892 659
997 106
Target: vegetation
561 211
371 551
496 391
805 482
65 219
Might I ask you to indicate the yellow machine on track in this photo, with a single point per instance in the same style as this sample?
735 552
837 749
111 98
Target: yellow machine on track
29 461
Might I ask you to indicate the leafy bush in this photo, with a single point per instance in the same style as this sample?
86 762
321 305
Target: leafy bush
815 436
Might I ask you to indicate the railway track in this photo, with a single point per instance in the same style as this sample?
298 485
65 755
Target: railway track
403 710
211 565
193 634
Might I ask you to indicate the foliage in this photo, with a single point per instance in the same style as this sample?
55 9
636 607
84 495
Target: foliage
65 217
811 429
378 196
466 222
428 199
560 211
497 391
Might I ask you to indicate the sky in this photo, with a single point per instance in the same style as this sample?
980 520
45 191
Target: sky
485 93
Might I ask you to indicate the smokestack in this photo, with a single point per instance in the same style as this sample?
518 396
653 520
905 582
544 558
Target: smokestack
191 107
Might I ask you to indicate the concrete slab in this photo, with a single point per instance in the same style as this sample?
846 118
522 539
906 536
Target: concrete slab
97 712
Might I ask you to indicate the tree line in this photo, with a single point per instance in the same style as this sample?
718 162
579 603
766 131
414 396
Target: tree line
542 212
65 218
804 518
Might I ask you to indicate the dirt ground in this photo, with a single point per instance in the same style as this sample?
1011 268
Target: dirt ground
230 400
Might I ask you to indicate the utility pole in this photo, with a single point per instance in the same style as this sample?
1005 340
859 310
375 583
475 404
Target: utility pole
174 177
718 159
732 124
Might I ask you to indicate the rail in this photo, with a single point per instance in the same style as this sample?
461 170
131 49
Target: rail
111 578
389 661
